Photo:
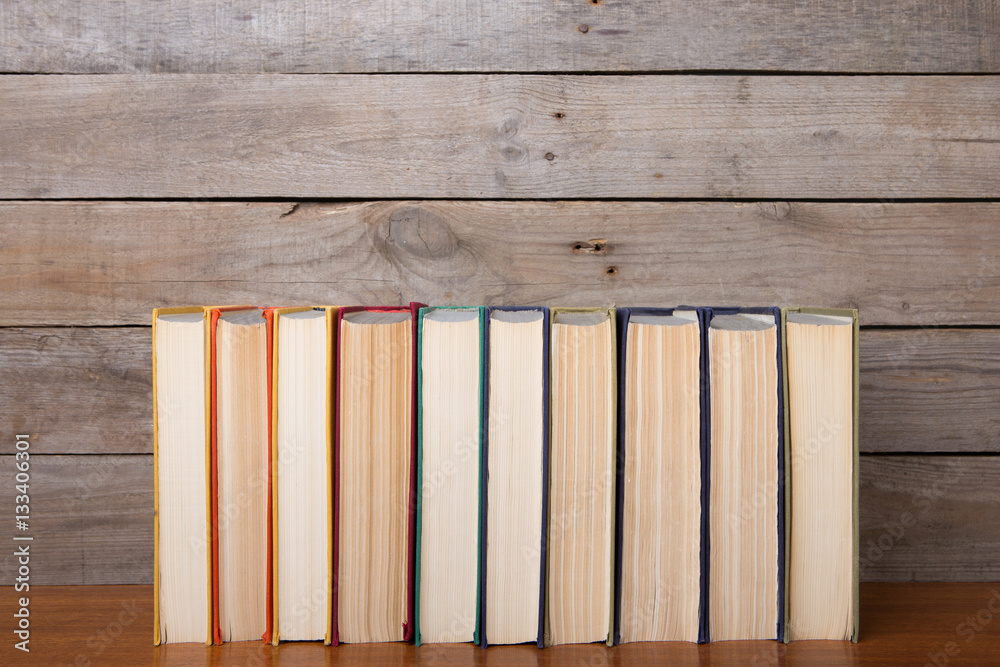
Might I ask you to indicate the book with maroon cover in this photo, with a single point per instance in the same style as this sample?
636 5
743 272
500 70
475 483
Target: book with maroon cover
262 480
345 315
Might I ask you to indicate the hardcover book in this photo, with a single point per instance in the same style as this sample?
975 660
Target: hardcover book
580 544
182 526
300 478
375 473
821 424
746 536
450 374
515 475
239 338
661 519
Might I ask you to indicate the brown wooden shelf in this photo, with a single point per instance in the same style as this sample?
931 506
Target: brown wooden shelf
901 624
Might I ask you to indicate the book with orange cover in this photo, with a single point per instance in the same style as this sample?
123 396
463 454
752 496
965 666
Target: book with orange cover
239 339
375 474
300 434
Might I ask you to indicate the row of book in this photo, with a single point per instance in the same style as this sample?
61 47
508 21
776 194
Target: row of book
505 475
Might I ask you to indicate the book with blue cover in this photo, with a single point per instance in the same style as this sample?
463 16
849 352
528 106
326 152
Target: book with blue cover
515 475
746 474
582 406
661 500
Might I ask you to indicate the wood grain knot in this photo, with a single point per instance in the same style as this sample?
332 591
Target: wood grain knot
778 210
591 247
421 233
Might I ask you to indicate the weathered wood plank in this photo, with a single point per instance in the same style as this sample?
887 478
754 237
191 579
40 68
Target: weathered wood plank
522 35
96 263
499 137
86 391
77 390
92 518
930 518
935 390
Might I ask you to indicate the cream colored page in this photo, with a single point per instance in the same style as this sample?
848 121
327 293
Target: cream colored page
661 532
581 483
376 390
514 507
181 478
450 422
302 477
821 381
744 477
242 468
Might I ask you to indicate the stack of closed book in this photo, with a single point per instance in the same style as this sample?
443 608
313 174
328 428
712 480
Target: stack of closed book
503 475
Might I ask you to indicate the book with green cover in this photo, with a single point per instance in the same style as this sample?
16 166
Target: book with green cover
821 425
450 365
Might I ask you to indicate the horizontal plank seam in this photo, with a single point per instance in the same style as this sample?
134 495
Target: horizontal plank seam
596 200
609 72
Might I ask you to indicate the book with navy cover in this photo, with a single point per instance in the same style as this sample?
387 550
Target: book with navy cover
508 469
719 604
691 620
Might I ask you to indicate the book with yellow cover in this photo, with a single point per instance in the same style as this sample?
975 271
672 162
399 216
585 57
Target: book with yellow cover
300 482
183 573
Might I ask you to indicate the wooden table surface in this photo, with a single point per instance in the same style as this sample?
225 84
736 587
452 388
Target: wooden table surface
901 624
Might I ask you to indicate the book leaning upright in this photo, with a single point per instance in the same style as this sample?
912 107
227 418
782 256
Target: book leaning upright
580 544
375 474
662 447
182 555
241 508
515 475
746 573
301 484
449 437
821 416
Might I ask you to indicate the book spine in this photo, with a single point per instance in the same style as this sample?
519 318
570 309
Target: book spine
704 315
484 421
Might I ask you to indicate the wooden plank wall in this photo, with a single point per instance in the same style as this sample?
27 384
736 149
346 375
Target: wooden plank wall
587 152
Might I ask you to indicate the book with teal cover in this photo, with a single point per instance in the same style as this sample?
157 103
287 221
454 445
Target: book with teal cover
481 316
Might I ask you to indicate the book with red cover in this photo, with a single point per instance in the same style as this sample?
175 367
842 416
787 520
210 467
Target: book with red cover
411 532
